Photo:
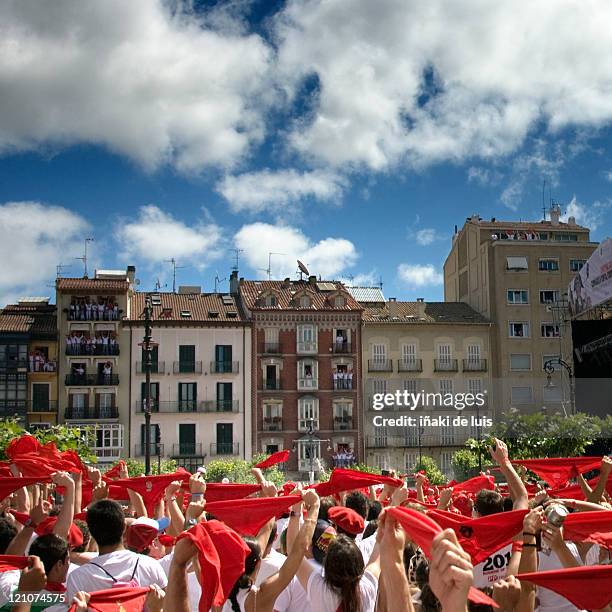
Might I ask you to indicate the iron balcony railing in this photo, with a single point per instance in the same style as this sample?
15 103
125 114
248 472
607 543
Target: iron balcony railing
342 347
224 448
474 365
409 365
157 367
187 367
380 365
83 350
41 405
343 423
183 449
445 365
92 379
342 383
271 385
157 449
224 367
74 413
273 423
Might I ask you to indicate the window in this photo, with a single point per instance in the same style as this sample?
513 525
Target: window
307 374
224 397
409 355
13 390
269 300
520 362
339 301
446 385
549 296
379 385
225 439
381 461
187 439
105 402
305 301
308 413
343 415
410 385
187 358
187 397
411 460
154 440
40 397
521 395
154 359
379 353
273 416
516 263
306 339
446 463
518 296
564 237
109 441
154 395
223 358
447 435
549 330
309 455
380 437
444 354
518 329
548 265
474 385
576 264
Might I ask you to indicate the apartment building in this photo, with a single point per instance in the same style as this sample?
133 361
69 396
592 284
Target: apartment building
432 347
28 362
516 275
306 389
94 365
200 379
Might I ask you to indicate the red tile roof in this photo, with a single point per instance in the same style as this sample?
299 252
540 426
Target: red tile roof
29 318
92 284
201 307
287 292
423 313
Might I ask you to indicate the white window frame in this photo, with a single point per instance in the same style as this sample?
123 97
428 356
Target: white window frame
526 329
581 263
304 383
411 460
554 326
112 451
305 301
445 354
520 369
379 353
548 259
446 463
556 294
409 354
303 459
306 338
521 293
308 409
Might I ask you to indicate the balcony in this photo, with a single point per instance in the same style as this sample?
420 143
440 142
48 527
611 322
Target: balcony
273 423
271 385
306 384
96 350
157 367
271 348
445 365
41 406
224 367
187 367
224 448
343 423
380 365
75 413
220 405
106 316
342 384
169 406
308 347
377 441
46 367
156 450
81 380
342 348
409 365
12 365
187 449
474 365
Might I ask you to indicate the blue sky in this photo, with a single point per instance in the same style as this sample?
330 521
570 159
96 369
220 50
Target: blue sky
354 141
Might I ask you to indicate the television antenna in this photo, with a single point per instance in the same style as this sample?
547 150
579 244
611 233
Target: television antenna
218 281
174 269
84 257
269 268
302 269
59 269
237 257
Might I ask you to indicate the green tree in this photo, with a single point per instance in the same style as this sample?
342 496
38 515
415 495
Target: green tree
432 471
465 464
239 470
137 468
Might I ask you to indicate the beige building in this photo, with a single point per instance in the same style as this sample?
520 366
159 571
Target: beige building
200 380
516 275
94 357
432 347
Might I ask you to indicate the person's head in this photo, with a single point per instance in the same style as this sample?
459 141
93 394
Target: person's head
508 504
82 525
370 529
358 502
375 508
106 522
346 521
53 553
343 570
325 504
488 502
323 535
251 563
7 532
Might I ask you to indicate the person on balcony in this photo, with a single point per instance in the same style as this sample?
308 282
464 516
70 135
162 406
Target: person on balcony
107 372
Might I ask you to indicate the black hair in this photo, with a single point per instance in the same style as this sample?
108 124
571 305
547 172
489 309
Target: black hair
374 510
245 581
7 532
325 504
488 502
106 522
508 504
50 549
344 568
370 529
358 502
82 525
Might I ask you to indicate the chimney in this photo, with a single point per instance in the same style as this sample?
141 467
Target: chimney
286 283
571 221
131 274
233 282
312 280
420 304
393 307
555 214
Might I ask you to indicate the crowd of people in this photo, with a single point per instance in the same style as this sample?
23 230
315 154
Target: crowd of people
356 543
38 361
82 343
344 458
88 309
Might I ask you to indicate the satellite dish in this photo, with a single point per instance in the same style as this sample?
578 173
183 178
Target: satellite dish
303 268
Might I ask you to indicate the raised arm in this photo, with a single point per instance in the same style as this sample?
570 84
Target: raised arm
66 514
604 474
517 488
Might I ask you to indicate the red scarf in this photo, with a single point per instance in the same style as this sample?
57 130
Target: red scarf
346 480
55 587
248 516
124 599
593 527
476 484
10 485
422 530
22 445
559 470
588 588
13 562
218 491
273 459
221 553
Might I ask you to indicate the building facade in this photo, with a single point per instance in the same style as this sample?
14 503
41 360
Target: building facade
516 274
94 364
28 362
200 377
430 347
306 392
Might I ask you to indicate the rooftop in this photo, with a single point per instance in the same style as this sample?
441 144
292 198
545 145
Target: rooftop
423 313
34 318
368 295
187 307
116 285
288 292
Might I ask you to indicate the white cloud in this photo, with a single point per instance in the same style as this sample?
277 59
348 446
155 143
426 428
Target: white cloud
591 216
419 275
156 236
483 176
328 257
268 190
362 279
426 236
608 176
155 85
34 239
441 80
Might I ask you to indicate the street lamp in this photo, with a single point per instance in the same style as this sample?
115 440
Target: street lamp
146 349
549 368
312 442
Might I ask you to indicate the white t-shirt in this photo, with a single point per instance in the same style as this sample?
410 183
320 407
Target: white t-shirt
120 565
9 581
493 568
323 599
293 598
549 601
366 547
269 566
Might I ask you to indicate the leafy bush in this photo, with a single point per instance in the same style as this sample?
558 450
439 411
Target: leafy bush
465 464
137 468
239 470
432 471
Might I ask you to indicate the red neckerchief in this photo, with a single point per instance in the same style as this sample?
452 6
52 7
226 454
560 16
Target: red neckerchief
55 587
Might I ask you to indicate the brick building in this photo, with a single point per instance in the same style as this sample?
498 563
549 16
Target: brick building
306 391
